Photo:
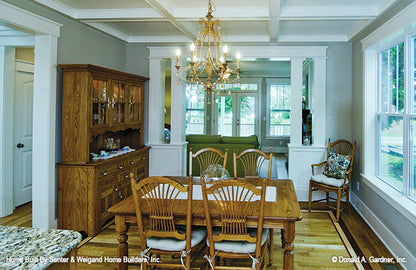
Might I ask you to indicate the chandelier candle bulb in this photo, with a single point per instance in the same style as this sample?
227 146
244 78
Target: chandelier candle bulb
238 60
178 54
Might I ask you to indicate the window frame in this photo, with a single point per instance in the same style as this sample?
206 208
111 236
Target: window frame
269 82
406 115
204 110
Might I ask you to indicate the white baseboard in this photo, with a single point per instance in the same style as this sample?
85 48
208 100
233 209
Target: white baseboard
385 235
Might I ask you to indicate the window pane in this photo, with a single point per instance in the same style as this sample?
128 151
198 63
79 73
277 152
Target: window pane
279 110
247 116
195 109
225 116
390 146
412 158
413 108
392 79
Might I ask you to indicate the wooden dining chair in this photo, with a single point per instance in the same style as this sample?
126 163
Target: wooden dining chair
205 157
335 175
253 161
155 199
237 201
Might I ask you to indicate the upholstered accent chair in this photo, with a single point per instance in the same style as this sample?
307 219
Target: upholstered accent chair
237 200
334 175
205 157
155 199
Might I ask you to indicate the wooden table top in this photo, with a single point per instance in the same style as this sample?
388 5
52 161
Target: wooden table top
285 208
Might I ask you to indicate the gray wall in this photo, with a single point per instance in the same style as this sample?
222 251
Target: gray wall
338 92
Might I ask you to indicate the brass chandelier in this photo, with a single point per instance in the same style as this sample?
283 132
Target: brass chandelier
208 60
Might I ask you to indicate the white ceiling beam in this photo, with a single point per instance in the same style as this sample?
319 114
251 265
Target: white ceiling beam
245 38
109 30
352 12
107 14
158 39
188 32
223 13
58 6
274 10
313 38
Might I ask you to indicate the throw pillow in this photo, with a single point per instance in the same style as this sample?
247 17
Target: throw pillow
336 165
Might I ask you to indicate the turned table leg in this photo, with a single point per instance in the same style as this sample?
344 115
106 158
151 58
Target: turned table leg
288 236
123 246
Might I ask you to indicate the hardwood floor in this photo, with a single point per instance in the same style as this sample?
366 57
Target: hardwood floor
362 239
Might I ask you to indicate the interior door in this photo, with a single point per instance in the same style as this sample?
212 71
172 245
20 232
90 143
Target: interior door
237 114
23 99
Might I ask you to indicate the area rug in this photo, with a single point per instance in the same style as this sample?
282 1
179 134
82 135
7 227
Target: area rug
319 244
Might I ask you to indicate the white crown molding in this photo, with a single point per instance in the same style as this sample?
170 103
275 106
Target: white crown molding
313 38
357 29
58 6
385 5
369 12
104 14
28 20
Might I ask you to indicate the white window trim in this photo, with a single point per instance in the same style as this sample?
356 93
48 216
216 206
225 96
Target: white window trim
395 29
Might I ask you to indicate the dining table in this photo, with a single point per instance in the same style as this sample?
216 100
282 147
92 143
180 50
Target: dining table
280 212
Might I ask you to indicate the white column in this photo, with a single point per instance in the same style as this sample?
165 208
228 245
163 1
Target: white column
296 69
178 103
7 60
319 102
156 101
44 131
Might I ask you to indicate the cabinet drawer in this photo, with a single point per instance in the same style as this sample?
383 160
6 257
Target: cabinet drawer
135 160
110 168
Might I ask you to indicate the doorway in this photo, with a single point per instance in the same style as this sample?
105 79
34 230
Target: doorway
43 34
237 114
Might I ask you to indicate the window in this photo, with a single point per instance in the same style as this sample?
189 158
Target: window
396 117
195 109
278 94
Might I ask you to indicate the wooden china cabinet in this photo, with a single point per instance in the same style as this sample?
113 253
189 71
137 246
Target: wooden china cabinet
102 110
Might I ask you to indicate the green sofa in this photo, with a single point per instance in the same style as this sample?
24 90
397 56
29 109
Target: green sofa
197 142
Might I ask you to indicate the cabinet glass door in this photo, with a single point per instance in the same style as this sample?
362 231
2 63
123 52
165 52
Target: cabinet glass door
99 102
135 104
118 102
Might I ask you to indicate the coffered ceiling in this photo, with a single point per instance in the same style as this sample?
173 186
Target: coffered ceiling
243 21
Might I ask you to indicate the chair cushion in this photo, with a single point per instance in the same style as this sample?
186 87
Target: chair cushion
331 181
173 244
239 246
336 165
